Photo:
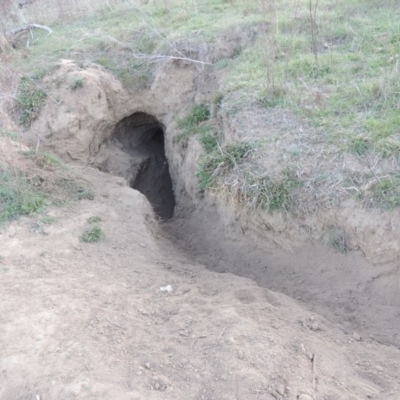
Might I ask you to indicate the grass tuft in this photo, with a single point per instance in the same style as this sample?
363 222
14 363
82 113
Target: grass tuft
92 234
273 193
94 219
29 100
338 239
77 83
18 196
9 135
384 194
219 162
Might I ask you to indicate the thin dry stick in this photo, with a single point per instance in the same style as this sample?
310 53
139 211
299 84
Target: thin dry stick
313 16
314 369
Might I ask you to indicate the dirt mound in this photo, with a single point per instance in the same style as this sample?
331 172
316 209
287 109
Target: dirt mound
131 317
84 123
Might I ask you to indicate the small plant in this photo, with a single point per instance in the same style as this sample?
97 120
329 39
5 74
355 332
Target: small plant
92 235
74 190
219 162
199 113
9 135
359 145
385 193
77 83
94 219
44 160
273 193
338 239
209 141
17 196
30 100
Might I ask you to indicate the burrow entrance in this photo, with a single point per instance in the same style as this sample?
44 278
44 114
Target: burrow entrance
142 137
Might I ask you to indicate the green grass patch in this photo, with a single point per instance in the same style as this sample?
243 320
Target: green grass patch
77 83
273 193
94 219
92 234
44 160
194 123
219 162
384 194
18 196
9 135
29 100
199 113
72 190
209 141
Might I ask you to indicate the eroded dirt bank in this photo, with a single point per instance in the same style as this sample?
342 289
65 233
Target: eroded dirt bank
132 136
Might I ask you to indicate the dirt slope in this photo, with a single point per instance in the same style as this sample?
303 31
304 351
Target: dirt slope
91 321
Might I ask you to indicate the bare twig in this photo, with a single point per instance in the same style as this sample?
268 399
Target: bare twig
28 27
222 332
314 369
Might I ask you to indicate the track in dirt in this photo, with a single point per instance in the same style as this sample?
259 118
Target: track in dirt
346 289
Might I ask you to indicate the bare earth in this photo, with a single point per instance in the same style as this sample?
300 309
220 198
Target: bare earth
100 321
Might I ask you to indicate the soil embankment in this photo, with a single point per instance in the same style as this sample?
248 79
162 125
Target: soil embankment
138 315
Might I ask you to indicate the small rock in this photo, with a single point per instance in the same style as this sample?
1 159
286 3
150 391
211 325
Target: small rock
167 288
240 355
379 368
356 336
143 245
315 327
147 365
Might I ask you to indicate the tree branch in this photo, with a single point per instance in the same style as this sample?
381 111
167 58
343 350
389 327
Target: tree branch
28 27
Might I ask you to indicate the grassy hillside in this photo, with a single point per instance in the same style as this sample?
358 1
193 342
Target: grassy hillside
334 64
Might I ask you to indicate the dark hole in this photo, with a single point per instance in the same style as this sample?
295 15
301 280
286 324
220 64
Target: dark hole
142 136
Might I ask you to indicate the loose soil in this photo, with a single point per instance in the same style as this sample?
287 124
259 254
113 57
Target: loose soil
138 315
133 317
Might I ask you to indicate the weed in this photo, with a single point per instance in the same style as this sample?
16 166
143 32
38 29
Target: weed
273 193
94 219
18 196
198 114
44 160
77 83
219 162
29 100
209 141
359 145
92 235
10 135
194 123
385 193
72 190
46 219
218 99
338 239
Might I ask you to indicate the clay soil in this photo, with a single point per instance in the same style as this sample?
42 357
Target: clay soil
137 316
